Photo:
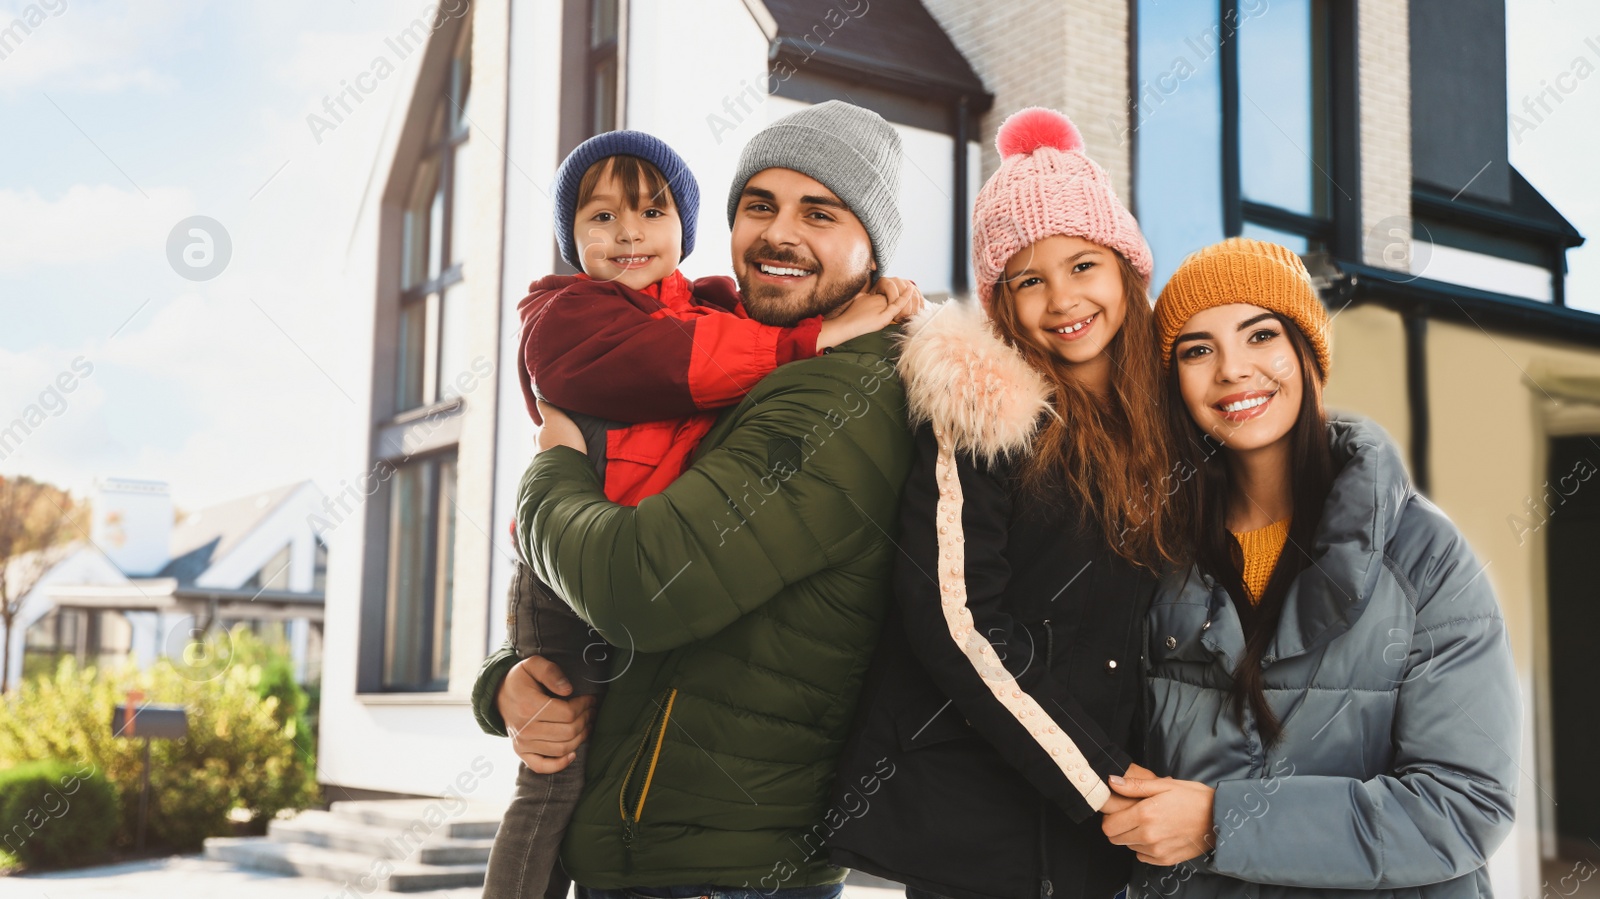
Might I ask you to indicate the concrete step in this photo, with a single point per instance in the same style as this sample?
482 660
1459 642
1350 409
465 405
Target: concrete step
436 817
331 831
361 872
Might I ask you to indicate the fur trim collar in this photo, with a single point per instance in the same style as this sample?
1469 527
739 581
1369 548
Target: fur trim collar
967 381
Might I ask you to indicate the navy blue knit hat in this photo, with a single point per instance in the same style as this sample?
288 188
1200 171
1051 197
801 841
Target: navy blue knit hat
685 190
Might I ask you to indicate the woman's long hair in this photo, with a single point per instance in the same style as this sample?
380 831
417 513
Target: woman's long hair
1208 543
1111 457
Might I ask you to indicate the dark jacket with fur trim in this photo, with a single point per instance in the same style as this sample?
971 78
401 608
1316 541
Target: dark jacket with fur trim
1006 687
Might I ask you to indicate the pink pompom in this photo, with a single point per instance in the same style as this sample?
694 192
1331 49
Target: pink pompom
1029 129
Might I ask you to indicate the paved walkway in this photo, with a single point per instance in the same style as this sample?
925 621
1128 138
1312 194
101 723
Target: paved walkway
193 877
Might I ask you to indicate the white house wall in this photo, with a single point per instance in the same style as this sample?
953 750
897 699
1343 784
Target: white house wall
350 746
409 747
531 147
410 743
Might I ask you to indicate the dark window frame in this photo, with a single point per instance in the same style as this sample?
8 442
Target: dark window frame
1340 231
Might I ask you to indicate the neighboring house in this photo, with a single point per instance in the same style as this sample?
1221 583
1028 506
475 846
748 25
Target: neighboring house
1370 135
142 587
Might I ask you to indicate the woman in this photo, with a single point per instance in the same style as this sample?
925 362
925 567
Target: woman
1331 690
1005 689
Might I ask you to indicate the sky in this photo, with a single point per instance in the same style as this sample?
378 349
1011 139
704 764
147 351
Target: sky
1550 43
123 119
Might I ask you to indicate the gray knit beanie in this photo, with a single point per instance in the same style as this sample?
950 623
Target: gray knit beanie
851 151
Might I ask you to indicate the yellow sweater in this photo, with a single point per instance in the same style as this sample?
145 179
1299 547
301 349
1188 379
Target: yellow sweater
1261 547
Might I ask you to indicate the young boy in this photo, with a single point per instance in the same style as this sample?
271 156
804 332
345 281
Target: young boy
641 358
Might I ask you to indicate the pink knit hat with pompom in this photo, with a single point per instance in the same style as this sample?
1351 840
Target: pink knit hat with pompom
1046 186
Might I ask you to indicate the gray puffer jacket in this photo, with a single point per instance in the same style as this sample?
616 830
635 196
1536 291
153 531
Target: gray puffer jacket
1392 675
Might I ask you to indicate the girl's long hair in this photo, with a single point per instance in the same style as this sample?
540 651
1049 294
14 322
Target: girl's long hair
1208 543
1111 458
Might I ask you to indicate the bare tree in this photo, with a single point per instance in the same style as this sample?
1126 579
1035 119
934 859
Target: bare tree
35 517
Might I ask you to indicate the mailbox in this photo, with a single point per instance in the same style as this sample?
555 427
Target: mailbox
159 722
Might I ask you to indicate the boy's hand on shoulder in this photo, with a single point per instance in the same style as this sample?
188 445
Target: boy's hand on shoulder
889 301
558 430
901 294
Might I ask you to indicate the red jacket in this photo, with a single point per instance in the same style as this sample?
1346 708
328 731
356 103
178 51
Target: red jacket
654 360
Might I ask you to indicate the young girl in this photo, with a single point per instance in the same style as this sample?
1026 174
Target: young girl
1331 690
1005 689
641 358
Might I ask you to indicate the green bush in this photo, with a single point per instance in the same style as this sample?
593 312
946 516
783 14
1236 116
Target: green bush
53 812
276 680
241 752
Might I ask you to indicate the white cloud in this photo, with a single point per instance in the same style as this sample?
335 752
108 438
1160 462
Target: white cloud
88 223
237 384
71 45
205 393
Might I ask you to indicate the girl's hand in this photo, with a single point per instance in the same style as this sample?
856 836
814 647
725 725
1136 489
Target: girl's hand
891 300
1171 822
558 430
1117 803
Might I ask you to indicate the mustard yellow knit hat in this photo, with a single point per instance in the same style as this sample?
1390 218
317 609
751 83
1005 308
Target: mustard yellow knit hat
1241 270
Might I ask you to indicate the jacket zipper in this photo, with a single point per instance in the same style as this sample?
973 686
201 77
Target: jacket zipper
632 808
1046 889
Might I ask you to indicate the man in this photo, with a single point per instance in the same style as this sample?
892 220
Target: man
744 600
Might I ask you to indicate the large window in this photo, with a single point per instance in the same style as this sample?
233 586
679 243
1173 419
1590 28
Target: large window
408 603
1243 124
431 331
417 607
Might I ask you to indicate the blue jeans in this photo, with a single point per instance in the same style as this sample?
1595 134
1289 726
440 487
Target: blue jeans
713 892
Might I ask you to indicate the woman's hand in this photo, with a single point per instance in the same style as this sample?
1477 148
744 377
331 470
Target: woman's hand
1170 823
558 430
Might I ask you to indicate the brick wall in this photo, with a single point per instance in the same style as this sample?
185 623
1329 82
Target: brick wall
1070 55
1385 95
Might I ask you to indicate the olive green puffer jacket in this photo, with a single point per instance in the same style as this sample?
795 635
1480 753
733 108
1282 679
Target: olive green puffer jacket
745 601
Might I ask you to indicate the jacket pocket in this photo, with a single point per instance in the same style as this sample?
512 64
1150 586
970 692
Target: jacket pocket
641 771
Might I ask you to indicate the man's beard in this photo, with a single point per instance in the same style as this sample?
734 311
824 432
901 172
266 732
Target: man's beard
772 305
